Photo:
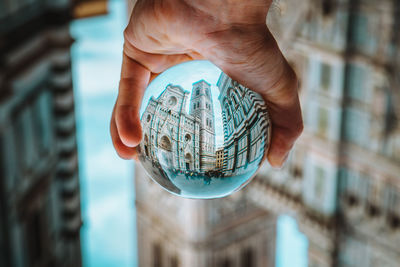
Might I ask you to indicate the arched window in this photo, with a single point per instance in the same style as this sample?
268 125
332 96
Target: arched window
240 89
174 262
165 143
247 257
227 110
194 106
189 161
235 100
198 92
157 255
146 145
172 101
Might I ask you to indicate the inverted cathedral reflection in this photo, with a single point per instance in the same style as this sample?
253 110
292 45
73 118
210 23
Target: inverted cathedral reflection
180 149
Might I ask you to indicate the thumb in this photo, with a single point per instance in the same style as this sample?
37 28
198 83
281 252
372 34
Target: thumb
134 80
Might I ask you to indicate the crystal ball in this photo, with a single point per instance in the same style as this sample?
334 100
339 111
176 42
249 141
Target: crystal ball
204 134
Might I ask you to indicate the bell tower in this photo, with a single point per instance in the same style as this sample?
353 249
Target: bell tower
201 106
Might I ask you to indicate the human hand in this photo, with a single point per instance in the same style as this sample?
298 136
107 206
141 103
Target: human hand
230 33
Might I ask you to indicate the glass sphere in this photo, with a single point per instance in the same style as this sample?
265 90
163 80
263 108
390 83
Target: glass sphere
204 134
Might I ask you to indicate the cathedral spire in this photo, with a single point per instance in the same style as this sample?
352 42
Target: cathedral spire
201 106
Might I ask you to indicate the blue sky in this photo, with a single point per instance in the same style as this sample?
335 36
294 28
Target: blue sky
185 75
107 182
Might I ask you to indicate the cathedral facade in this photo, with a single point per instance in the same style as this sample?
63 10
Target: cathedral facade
245 122
183 141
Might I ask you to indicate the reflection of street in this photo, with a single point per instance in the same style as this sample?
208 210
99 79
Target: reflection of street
199 185
191 183
156 172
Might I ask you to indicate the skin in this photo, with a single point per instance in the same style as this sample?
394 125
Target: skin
230 33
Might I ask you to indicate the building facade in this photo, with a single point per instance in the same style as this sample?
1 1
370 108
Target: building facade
246 125
40 216
179 232
219 155
343 176
184 141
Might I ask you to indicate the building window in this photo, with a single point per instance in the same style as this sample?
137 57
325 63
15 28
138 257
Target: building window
235 101
355 126
319 182
174 262
35 238
157 255
360 35
21 142
325 81
247 258
394 221
172 101
297 171
188 161
165 143
2 158
227 110
327 7
323 116
224 263
355 86
198 92
41 117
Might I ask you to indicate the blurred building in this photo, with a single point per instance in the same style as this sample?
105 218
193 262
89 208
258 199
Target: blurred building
178 232
342 181
343 178
40 215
